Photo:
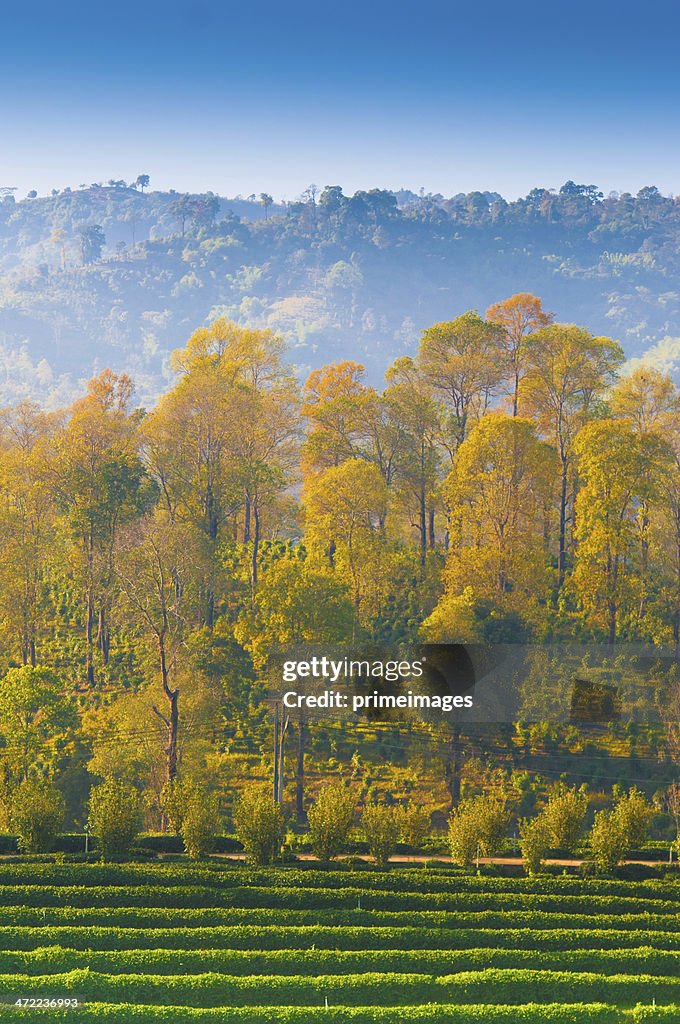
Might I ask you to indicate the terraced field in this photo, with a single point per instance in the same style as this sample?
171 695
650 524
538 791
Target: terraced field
225 944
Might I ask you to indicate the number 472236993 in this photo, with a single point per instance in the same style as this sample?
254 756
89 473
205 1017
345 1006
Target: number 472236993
45 1003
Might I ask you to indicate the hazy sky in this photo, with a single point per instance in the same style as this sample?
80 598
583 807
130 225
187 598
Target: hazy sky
272 96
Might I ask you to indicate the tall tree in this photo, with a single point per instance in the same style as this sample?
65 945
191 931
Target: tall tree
649 402
567 371
617 484
222 443
344 512
519 316
415 421
463 360
297 602
34 710
159 570
99 484
499 491
27 526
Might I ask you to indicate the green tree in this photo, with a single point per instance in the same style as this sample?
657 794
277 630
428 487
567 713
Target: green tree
27 526
344 509
621 473
259 824
37 813
533 844
381 827
477 828
34 711
415 822
200 824
415 419
222 443
115 815
498 493
635 815
160 569
607 840
331 817
563 817
296 602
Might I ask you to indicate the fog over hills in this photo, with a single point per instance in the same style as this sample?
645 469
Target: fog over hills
117 275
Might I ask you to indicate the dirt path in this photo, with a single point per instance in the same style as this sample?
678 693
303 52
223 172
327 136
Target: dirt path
418 858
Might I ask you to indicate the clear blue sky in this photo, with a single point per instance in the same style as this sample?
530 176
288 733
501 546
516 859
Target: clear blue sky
273 96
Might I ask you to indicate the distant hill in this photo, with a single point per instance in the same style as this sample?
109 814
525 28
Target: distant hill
111 275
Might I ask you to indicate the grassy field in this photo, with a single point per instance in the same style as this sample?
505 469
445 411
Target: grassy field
223 943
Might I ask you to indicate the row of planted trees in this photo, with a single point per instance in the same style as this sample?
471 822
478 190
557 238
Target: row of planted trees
503 485
477 828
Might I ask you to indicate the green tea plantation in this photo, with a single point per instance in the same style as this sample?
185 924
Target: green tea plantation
222 943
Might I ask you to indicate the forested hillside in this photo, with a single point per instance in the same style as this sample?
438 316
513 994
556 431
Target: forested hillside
117 275
504 485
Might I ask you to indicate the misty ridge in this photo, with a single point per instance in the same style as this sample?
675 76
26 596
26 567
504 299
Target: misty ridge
118 275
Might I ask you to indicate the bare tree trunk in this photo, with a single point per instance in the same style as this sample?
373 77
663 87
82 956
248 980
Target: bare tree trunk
282 757
89 636
103 636
422 525
453 767
256 548
246 519
300 774
171 720
562 554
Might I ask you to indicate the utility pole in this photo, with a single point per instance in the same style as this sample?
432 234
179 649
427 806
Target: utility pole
276 752
281 723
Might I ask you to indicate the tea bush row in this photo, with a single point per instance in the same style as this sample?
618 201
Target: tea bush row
508 986
300 898
55 959
531 1013
161 917
281 937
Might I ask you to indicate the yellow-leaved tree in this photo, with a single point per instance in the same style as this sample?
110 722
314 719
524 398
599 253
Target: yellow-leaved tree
345 508
499 494
621 472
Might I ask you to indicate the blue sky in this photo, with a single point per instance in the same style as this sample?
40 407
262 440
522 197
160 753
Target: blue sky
271 96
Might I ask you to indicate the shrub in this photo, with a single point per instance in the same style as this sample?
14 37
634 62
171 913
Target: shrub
477 828
259 824
172 804
330 820
533 844
37 815
414 824
616 832
381 826
199 825
115 816
193 813
607 840
634 814
563 817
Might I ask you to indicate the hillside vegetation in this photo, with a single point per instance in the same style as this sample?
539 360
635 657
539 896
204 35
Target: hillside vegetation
504 486
111 275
